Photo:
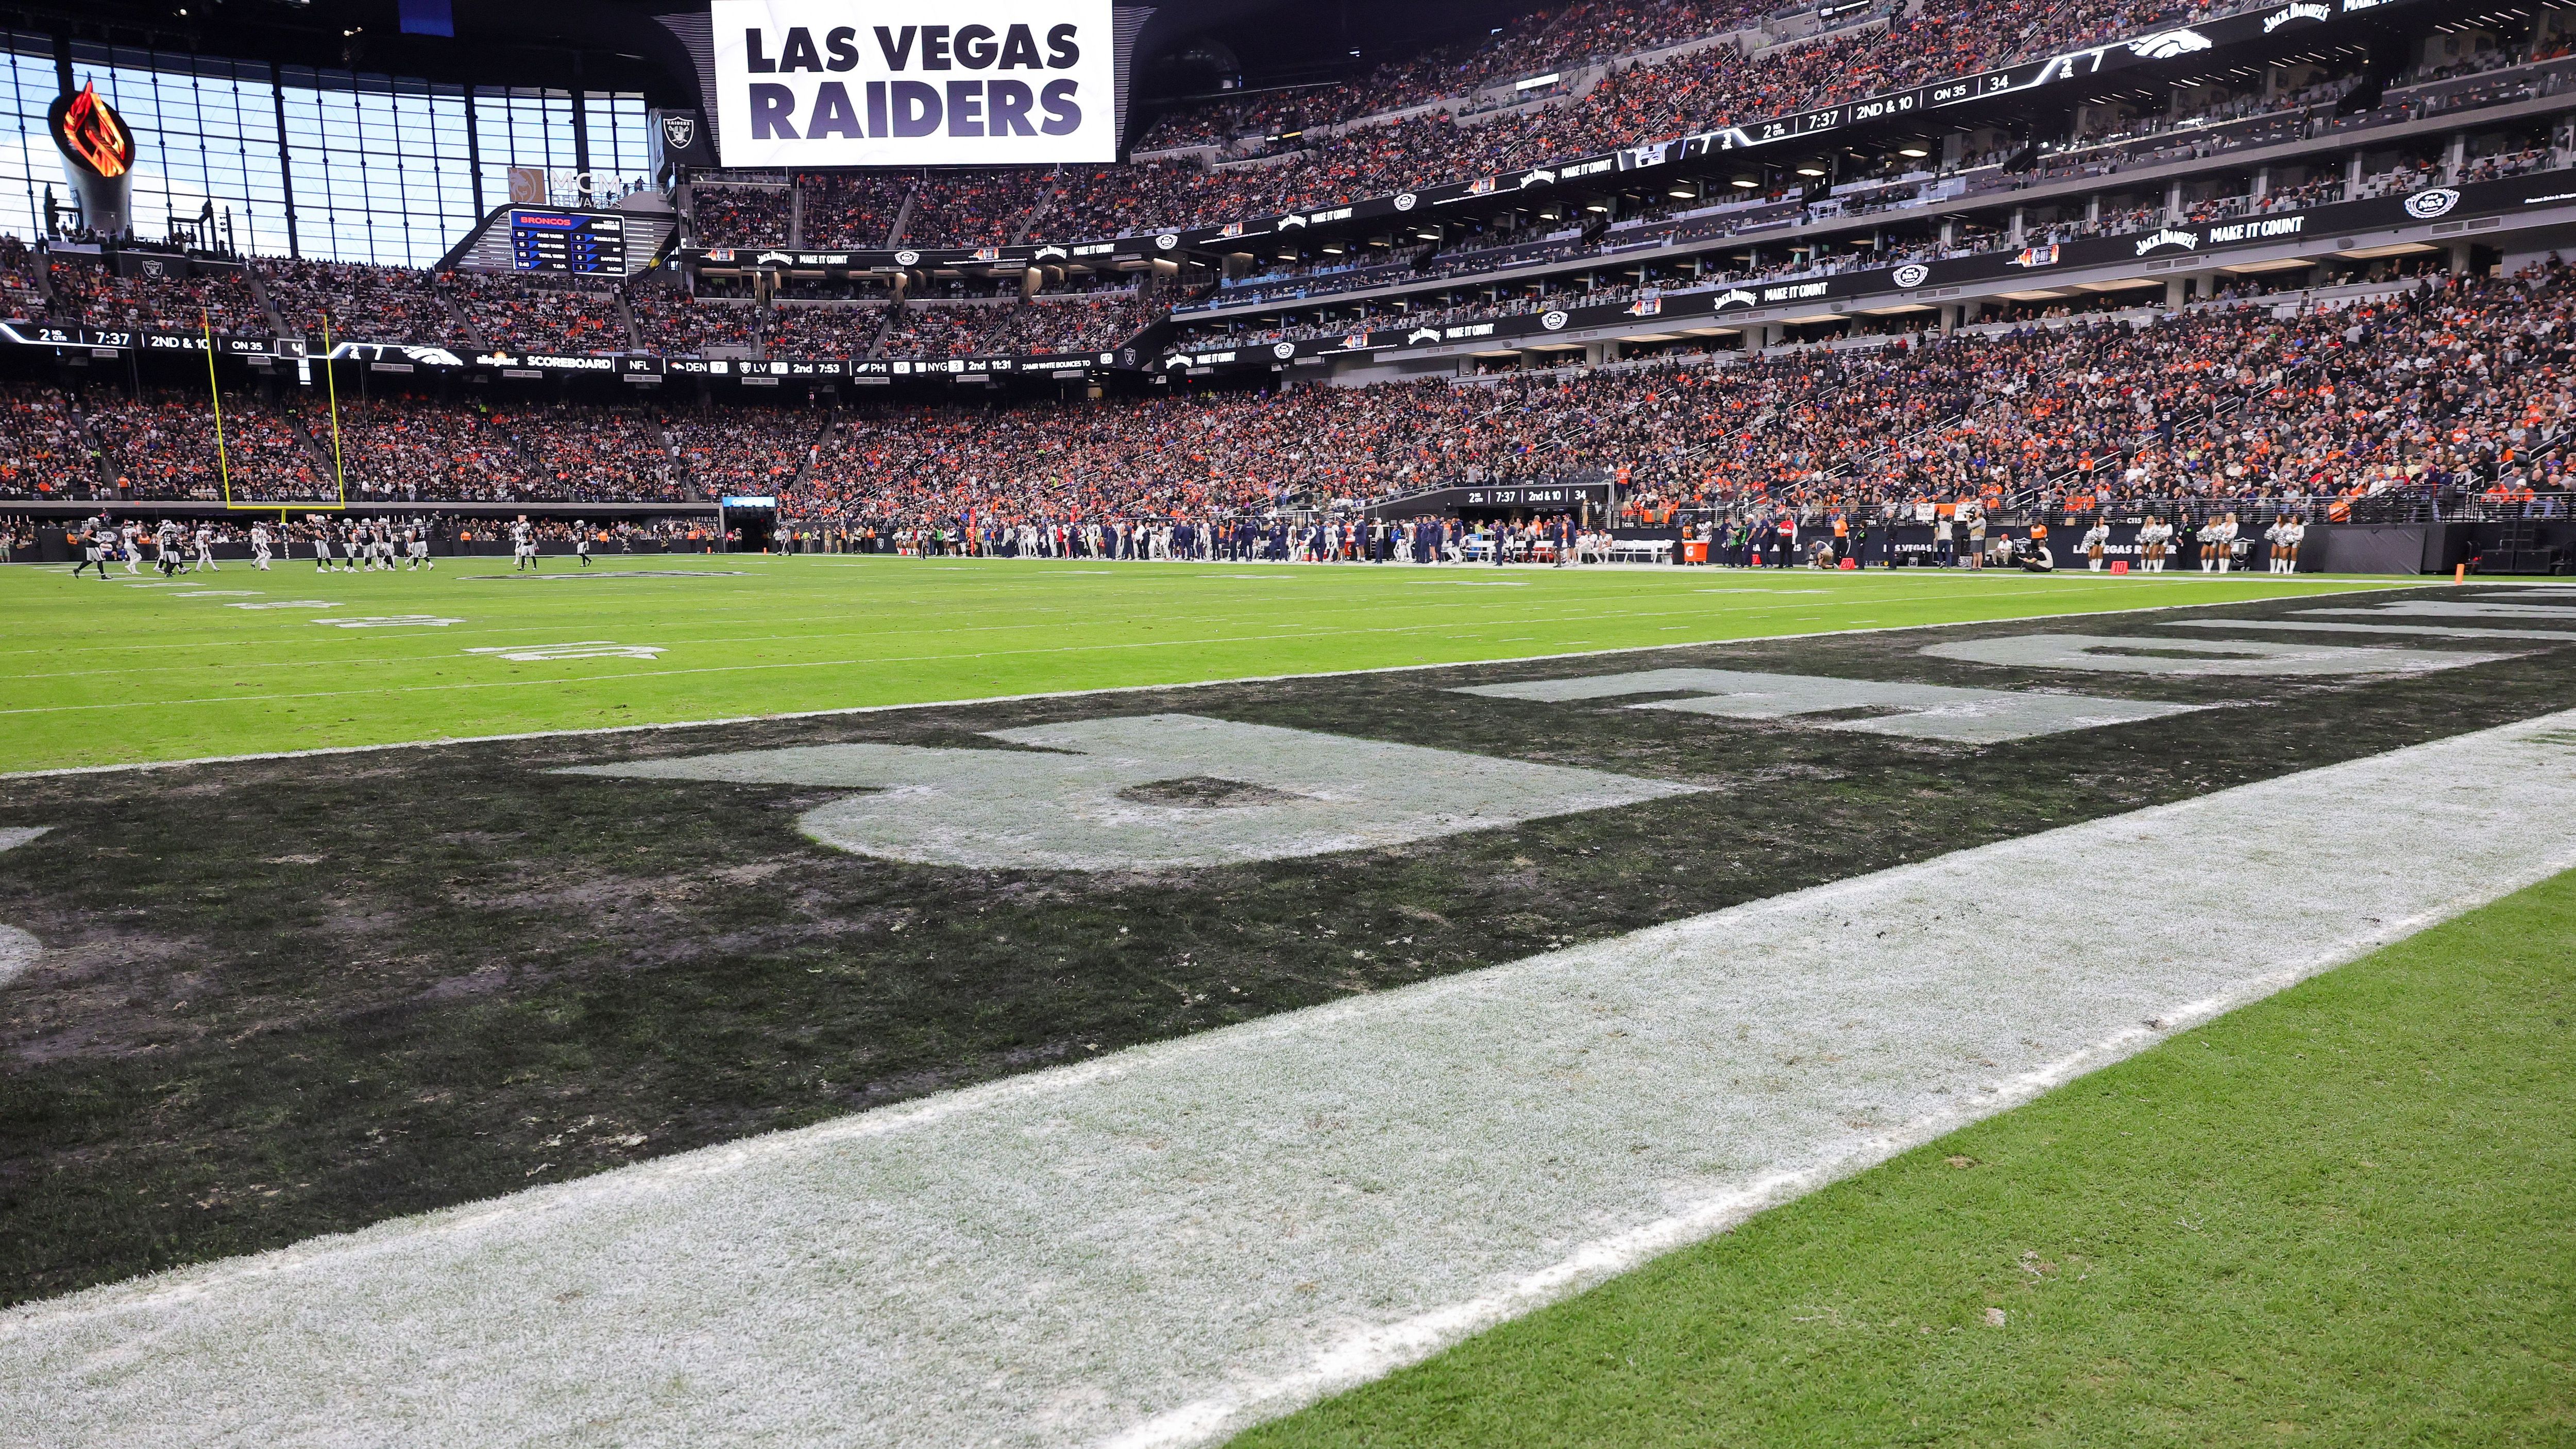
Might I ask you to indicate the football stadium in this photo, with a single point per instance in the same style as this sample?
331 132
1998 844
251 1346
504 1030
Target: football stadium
1155 723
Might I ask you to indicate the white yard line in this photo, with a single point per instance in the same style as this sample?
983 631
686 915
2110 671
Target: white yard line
1166 1244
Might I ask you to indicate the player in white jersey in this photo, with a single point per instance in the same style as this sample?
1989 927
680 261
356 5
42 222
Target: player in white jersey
581 542
383 547
130 539
2096 539
523 545
259 547
205 550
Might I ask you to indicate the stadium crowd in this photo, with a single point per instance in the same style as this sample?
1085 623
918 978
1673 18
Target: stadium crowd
364 303
974 207
162 445
823 329
743 450
45 451
2447 384
540 313
2434 386
676 323
740 216
851 209
86 292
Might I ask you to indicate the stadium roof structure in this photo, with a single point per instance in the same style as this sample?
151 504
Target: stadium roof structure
622 44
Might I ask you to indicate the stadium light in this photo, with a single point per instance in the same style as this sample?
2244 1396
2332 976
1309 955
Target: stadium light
1811 171
1916 153
1745 183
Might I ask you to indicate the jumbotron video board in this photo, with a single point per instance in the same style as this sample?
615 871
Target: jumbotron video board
580 242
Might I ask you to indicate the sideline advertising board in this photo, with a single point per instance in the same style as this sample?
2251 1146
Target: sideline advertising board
965 83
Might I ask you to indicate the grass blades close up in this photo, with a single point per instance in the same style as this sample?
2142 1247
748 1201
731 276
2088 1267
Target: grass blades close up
2336 1217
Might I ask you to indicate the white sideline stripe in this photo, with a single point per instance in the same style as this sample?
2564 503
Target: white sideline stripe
1162 1246
690 724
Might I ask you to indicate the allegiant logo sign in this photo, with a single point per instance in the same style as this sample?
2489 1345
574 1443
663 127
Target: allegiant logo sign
996 82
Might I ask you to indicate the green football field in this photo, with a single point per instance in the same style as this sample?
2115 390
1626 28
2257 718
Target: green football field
239 662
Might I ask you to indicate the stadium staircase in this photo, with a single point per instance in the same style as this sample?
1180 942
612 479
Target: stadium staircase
903 215
814 451
316 449
101 465
267 307
669 460
1037 212
464 321
626 319
885 324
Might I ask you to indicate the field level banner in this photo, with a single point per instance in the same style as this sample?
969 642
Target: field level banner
967 83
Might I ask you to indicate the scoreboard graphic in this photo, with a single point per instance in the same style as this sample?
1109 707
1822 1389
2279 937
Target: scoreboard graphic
580 242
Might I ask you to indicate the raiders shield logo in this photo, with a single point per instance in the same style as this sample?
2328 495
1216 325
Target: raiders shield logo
679 132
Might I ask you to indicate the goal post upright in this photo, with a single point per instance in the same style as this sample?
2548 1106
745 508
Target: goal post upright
215 395
331 385
338 502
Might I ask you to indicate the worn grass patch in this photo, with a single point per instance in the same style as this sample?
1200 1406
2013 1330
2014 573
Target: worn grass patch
2336 1217
289 997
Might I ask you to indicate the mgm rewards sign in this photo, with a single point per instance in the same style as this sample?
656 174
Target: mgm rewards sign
967 83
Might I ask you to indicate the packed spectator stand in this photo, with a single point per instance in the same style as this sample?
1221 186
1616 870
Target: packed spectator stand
2445 387
383 304
844 210
741 216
